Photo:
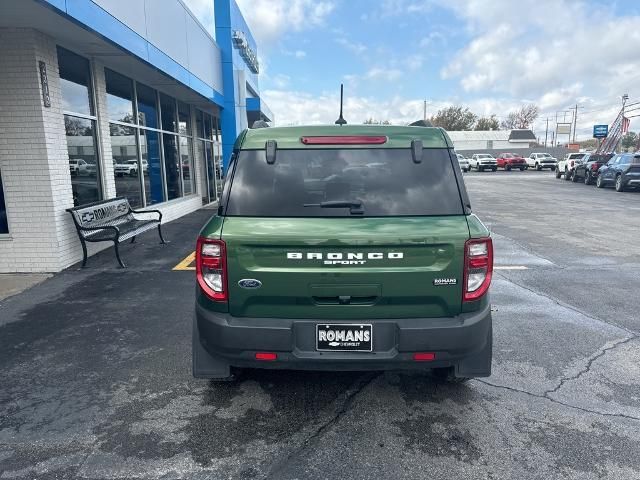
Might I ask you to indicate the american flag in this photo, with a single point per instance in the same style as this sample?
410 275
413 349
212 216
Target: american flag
625 124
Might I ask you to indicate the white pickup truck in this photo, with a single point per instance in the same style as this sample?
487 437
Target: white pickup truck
482 162
541 160
567 165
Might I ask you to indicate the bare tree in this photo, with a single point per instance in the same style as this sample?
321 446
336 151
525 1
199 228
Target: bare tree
521 118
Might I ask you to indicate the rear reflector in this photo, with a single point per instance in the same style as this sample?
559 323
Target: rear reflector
424 357
266 356
345 140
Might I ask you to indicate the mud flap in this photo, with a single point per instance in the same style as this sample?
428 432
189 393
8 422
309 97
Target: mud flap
204 364
478 364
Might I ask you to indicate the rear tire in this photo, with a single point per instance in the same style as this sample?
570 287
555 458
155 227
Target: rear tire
567 177
599 182
538 167
507 168
587 178
480 169
574 176
494 169
619 184
447 375
558 173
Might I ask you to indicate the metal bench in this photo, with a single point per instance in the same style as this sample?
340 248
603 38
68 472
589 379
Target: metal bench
114 221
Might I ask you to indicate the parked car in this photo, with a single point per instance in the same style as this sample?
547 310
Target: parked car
482 162
511 160
129 167
588 169
92 169
325 269
78 166
542 160
567 165
622 171
463 162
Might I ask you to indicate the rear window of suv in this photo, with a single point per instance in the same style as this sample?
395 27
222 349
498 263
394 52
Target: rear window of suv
385 182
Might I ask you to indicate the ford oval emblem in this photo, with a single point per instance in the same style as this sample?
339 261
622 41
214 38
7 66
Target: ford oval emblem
250 283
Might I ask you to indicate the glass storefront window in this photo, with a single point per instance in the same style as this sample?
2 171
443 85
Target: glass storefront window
4 223
171 166
168 113
199 132
186 161
184 119
211 175
208 127
75 82
147 106
126 169
153 184
119 97
216 124
83 159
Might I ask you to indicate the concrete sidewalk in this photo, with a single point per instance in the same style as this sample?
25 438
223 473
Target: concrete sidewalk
145 257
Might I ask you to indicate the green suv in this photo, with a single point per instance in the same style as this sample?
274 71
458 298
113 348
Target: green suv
343 248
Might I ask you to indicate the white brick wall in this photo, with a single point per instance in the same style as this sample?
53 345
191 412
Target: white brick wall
34 161
33 154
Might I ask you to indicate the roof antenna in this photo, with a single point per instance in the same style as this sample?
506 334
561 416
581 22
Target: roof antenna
341 121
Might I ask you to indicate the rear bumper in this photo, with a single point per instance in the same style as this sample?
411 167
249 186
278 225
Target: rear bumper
463 341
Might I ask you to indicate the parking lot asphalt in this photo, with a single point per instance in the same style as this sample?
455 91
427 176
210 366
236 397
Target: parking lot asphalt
96 383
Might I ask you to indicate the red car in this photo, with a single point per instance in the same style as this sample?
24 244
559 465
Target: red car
511 160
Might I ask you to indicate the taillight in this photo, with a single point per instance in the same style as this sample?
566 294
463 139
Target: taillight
478 268
595 166
572 163
211 268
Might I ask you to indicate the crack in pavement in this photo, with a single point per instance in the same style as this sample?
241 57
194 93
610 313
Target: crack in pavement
590 362
633 333
343 407
546 396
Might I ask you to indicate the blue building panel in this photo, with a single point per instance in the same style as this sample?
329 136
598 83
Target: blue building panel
94 18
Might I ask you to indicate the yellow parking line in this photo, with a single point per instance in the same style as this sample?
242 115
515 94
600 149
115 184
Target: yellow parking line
186 263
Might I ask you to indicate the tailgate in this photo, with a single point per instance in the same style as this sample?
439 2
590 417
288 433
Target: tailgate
345 268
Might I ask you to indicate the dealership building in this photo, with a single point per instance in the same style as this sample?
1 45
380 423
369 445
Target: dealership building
100 99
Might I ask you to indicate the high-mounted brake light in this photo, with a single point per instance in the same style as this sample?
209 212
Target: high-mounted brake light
478 268
211 268
345 140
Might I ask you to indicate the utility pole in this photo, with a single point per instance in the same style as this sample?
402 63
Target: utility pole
546 132
424 116
575 122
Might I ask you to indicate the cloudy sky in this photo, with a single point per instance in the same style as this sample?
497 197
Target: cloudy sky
490 55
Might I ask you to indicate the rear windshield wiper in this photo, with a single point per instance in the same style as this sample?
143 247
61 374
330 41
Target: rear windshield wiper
355 206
